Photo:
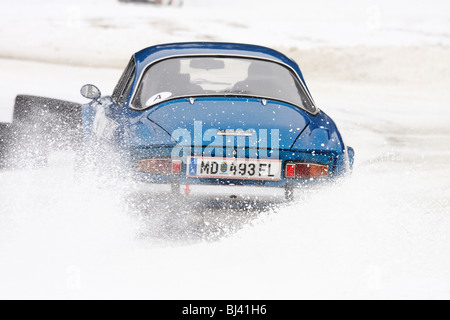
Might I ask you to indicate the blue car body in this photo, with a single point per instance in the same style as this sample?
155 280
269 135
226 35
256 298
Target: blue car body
177 127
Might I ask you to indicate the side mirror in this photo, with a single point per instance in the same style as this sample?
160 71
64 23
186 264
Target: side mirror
89 91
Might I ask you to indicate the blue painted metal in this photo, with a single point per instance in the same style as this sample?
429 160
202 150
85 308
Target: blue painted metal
222 113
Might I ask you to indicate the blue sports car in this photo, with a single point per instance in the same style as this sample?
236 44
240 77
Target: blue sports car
209 120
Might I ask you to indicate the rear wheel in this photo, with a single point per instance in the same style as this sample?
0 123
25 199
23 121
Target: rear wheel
289 193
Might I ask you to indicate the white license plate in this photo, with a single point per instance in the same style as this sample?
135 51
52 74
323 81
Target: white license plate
250 169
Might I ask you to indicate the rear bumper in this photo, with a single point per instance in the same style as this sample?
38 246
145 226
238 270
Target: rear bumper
216 192
243 193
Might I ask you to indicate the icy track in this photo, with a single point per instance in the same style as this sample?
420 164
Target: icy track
381 69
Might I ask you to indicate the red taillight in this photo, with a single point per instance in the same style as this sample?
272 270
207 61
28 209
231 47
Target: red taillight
306 170
176 166
159 166
290 170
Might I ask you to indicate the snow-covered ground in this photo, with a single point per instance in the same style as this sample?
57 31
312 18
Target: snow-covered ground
381 69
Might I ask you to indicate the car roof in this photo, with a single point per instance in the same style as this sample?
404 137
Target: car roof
152 54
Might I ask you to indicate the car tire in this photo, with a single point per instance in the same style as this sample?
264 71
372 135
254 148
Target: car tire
289 193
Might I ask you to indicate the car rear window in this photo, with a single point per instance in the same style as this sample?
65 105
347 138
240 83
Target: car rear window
223 76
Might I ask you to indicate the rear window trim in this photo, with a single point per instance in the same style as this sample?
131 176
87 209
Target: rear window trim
125 82
303 86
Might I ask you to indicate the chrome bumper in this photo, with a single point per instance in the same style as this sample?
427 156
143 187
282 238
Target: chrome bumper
216 192
233 192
